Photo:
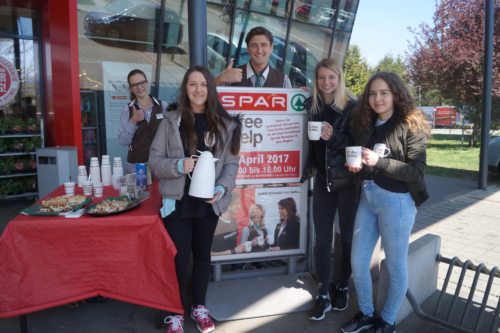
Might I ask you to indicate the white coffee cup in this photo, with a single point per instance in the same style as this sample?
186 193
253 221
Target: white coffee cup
69 188
381 149
260 240
98 189
106 174
314 130
353 156
248 246
87 188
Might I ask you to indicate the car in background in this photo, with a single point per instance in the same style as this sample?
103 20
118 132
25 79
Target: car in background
494 155
133 21
217 51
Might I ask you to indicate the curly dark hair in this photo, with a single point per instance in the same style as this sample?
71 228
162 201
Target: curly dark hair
405 109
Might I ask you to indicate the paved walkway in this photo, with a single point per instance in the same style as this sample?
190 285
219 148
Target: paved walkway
467 220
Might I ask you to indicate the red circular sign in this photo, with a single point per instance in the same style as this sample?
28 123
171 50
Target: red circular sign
9 81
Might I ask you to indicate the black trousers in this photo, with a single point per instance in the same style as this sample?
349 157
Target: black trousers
193 235
325 206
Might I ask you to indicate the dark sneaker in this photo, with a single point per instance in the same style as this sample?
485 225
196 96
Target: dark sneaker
340 298
203 321
321 306
358 323
175 323
381 326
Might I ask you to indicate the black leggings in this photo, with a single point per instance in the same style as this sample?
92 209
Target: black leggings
325 205
192 235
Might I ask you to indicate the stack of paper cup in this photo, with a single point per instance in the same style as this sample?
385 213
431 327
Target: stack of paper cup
117 166
82 175
106 170
95 170
117 172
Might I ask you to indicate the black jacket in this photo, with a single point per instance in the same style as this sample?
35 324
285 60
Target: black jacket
289 238
335 147
407 160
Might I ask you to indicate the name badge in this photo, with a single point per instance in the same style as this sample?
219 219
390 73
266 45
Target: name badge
159 116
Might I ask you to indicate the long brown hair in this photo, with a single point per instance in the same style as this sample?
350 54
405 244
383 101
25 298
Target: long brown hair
214 111
405 110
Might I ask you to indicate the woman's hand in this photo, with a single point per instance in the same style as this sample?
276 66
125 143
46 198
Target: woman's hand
353 169
369 157
326 131
239 248
137 115
216 197
188 164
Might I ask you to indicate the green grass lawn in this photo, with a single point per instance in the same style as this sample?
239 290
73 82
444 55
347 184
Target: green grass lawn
447 157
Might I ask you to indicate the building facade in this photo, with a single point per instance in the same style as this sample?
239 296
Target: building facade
72 59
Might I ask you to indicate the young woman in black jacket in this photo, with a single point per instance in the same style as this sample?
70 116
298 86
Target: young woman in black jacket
331 103
392 185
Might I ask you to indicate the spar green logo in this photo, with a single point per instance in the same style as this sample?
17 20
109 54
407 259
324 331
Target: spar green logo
298 102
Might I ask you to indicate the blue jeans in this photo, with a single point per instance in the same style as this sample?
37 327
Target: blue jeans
391 216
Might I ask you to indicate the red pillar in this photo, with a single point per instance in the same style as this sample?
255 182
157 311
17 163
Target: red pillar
60 66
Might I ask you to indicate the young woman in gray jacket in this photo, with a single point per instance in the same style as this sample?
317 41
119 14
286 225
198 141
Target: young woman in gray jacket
199 124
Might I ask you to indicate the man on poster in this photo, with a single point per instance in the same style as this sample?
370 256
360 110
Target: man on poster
257 72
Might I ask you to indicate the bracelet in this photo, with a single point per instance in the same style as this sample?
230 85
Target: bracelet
233 251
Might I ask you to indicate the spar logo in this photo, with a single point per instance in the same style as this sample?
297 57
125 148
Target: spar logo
9 81
247 101
298 102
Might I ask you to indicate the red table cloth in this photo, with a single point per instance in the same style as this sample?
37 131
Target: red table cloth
47 261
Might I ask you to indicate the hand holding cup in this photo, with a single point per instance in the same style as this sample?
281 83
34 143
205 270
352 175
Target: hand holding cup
369 157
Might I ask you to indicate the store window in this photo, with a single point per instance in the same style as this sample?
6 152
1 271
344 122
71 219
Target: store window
116 36
20 103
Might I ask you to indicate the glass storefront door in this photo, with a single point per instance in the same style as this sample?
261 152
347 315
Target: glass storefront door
20 102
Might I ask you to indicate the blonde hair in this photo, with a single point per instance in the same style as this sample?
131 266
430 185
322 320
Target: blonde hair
341 95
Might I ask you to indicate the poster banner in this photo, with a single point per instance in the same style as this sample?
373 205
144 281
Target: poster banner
9 81
267 216
116 96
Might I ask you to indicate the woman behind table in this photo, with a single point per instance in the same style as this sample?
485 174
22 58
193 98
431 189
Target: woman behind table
287 232
139 120
392 186
331 103
256 231
199 123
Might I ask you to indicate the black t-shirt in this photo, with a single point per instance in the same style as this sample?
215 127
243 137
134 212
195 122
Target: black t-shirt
225 241
190 207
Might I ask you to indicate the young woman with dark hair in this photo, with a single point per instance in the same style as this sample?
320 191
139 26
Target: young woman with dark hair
392 185
199 124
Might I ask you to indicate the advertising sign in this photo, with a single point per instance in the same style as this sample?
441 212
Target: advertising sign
267 216
9 81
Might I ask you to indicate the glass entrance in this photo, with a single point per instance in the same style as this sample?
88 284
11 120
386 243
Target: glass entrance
20 102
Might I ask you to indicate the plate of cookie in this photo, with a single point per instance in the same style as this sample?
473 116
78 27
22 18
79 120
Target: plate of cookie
59 205
112 205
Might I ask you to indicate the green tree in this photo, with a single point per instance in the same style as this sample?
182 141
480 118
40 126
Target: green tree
356 70
392 64
448 57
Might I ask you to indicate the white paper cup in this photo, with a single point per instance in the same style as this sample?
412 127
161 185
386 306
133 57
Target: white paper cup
80 180
94 161
353 156
314 130
106 174
381 149
87 188
117 161
69 188
98 189
82 170
105 160
260 240
248 246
